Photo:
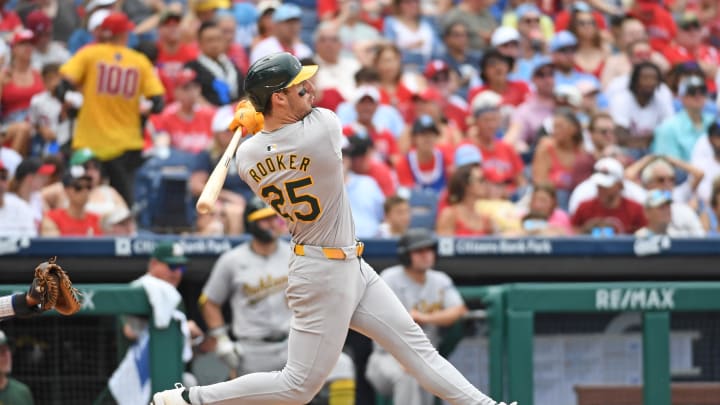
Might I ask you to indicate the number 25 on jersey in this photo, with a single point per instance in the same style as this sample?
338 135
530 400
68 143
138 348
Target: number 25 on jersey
305 207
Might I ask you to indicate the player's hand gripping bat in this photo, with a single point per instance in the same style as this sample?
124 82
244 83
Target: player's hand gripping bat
245 121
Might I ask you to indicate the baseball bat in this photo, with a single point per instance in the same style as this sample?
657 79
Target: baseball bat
215 182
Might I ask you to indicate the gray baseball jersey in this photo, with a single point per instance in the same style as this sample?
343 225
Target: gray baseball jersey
295 170
255 286
437 293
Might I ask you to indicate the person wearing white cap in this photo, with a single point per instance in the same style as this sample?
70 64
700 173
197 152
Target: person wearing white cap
587 189
235 192
285 36
609 212
367 100
659 215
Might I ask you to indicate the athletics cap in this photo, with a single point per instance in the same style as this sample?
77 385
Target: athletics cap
169 252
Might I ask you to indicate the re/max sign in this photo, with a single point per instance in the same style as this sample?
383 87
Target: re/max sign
634 298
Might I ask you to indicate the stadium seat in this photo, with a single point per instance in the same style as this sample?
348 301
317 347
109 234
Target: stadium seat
161 194
423 208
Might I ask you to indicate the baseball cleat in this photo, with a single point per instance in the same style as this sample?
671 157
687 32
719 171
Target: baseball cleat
503 403
170 397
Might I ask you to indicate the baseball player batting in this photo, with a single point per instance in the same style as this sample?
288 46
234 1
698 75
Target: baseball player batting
295 165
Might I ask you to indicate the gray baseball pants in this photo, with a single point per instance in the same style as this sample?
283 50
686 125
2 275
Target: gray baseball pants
327 297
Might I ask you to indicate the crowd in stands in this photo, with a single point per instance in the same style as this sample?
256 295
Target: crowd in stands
468 117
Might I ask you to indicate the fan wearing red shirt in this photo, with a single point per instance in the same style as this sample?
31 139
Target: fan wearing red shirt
73 220
562 18
494 70
20 82
9 20
501 163
367 100
659 23
444 81
172 52
186 121
363 161
688 46
425 166
609 209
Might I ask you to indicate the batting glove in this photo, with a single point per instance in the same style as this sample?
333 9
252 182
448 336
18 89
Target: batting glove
229 352
246 117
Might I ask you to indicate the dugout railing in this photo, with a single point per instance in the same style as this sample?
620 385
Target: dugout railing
99 300
654 300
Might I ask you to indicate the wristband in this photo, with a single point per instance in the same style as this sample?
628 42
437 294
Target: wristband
21 307
219 331
6 306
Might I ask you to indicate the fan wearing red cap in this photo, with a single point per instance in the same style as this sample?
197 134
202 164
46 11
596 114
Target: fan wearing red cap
444 83
112 78
186 121
16 217
173 52
9 20
46 50
367 100
20 82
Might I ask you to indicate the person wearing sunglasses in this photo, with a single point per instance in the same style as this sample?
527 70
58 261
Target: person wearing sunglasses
656 172
73 220
688 46
677 134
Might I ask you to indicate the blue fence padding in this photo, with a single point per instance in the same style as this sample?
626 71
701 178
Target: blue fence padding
142 246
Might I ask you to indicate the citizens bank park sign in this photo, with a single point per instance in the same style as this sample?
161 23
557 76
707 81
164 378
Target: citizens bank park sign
138 246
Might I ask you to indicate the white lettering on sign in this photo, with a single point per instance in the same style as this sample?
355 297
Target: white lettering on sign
503 247
87 299
620 299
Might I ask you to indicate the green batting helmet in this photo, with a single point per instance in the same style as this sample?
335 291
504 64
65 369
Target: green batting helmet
273 73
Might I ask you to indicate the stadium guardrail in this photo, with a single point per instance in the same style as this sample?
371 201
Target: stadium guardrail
166 345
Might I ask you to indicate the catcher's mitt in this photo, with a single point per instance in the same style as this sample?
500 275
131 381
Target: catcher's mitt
52 288
246 117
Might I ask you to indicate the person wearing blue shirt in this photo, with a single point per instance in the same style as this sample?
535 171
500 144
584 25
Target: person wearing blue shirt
366 197
676 135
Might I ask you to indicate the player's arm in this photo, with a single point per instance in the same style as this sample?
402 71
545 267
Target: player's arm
212 313
152 88
443 317
21 305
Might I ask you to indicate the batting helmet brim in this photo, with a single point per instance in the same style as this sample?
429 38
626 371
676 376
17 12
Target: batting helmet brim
305 73
262 213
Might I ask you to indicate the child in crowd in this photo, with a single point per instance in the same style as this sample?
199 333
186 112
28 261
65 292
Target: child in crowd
397 217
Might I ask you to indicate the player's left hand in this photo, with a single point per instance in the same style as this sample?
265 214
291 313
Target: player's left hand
246 117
